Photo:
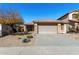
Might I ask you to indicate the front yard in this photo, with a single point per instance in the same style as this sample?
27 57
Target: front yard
40 40
41 44
14 41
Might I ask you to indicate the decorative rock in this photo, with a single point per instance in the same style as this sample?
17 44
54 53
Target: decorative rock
25 40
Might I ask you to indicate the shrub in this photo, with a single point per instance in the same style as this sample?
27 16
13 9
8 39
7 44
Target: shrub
29 36
26 40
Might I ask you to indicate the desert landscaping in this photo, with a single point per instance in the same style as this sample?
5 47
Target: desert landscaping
15 41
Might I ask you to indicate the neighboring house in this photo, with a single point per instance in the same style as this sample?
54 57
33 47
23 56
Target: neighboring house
73 21
64 24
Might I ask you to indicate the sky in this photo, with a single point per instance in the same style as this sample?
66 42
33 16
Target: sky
36 11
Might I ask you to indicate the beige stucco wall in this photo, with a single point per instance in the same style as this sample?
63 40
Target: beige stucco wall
64 30
70 17
59 28
25 28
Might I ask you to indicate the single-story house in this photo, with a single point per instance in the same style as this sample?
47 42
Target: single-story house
64 24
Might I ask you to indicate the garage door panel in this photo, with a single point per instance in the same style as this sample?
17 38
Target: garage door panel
47 29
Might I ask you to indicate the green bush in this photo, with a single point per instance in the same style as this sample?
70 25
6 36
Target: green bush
29 36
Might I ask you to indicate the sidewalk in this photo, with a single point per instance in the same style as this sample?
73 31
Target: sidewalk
41 50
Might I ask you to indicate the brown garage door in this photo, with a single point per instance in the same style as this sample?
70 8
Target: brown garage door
47 29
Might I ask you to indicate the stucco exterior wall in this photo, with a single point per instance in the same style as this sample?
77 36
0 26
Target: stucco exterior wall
70 16
0 29
65 28
62 28
59 28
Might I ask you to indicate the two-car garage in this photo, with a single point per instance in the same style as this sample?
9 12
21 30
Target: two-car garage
47 29
48 26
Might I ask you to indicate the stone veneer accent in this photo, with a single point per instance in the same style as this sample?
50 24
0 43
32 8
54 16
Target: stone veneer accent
25 28
35 28
59 28
64 28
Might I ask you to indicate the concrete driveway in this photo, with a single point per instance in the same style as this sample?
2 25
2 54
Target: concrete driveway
54 40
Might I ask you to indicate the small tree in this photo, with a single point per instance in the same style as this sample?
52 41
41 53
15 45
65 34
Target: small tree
14 17
10 17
